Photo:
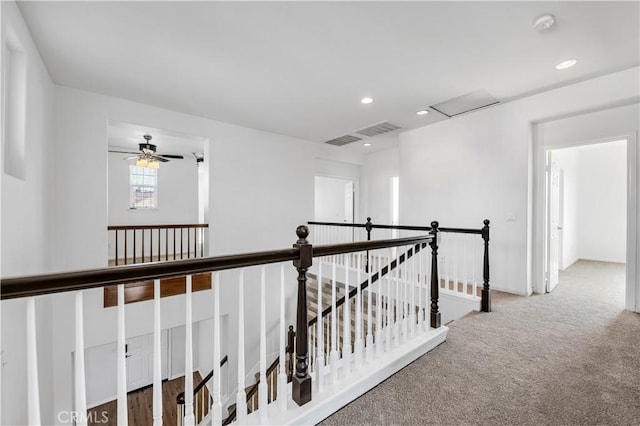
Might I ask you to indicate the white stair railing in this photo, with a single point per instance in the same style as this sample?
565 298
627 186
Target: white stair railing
395 273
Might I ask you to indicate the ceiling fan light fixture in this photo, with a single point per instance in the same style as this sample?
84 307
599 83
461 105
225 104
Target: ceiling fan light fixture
142 162
153 164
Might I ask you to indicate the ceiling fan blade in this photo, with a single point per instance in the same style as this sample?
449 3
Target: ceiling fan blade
178 157
131 158
164 160
125 152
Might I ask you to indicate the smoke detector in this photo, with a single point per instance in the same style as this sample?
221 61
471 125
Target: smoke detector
544 22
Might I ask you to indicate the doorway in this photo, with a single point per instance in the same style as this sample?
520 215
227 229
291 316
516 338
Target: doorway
586 206
594 126
335 199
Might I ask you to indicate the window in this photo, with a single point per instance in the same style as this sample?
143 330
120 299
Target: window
143 187
15 108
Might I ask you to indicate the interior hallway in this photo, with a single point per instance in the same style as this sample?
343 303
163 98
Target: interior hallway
567 357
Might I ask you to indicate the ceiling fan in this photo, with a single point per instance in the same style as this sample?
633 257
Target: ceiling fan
148 155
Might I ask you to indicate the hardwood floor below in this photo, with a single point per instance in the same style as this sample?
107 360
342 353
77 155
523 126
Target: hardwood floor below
140 404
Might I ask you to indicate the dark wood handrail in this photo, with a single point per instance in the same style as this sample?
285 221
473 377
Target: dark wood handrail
375 277
332 249
36 285
130 227
399 227
203 382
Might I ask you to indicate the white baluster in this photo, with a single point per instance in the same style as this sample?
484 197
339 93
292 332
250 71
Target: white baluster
379 304
79 372
396 324
282 374
33 391
474 288
320 332
450 256
389 306
311 362
122 363
358 343
262 386
403 296
334 356
216 402
346 320
411 281
157 360
241 396
189 418
421 280
456 255
369 347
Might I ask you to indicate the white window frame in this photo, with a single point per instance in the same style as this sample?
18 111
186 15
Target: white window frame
146 179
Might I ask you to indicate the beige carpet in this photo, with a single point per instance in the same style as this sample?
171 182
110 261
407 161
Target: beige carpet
566 358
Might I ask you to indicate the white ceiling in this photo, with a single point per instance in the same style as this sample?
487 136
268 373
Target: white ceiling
300 68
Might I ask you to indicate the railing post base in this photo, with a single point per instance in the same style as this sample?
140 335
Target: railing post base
436 320
485 304
301 389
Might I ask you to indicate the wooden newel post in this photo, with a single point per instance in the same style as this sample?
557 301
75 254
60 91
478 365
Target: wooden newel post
368 226
301 379
435 279
486 291
290 351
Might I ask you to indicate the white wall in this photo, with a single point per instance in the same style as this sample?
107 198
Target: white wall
177 194
596 200
477 166
603 202
379 168
25 225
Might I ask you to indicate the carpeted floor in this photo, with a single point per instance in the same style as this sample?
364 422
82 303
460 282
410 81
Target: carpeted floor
565 358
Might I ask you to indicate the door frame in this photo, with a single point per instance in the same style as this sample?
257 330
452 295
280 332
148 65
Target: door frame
537 247
550 168
356 191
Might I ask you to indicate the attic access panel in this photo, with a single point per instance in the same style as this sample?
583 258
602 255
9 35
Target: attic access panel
466 103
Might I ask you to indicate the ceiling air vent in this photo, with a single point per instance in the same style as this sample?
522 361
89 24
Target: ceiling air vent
343 140
466 103
378 129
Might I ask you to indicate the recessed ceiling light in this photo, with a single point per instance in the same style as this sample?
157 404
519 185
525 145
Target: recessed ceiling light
366 144
366 100
422 112
566 64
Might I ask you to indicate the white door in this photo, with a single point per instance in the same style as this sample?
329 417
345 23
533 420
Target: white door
101 367
553 224
139 354
348 202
